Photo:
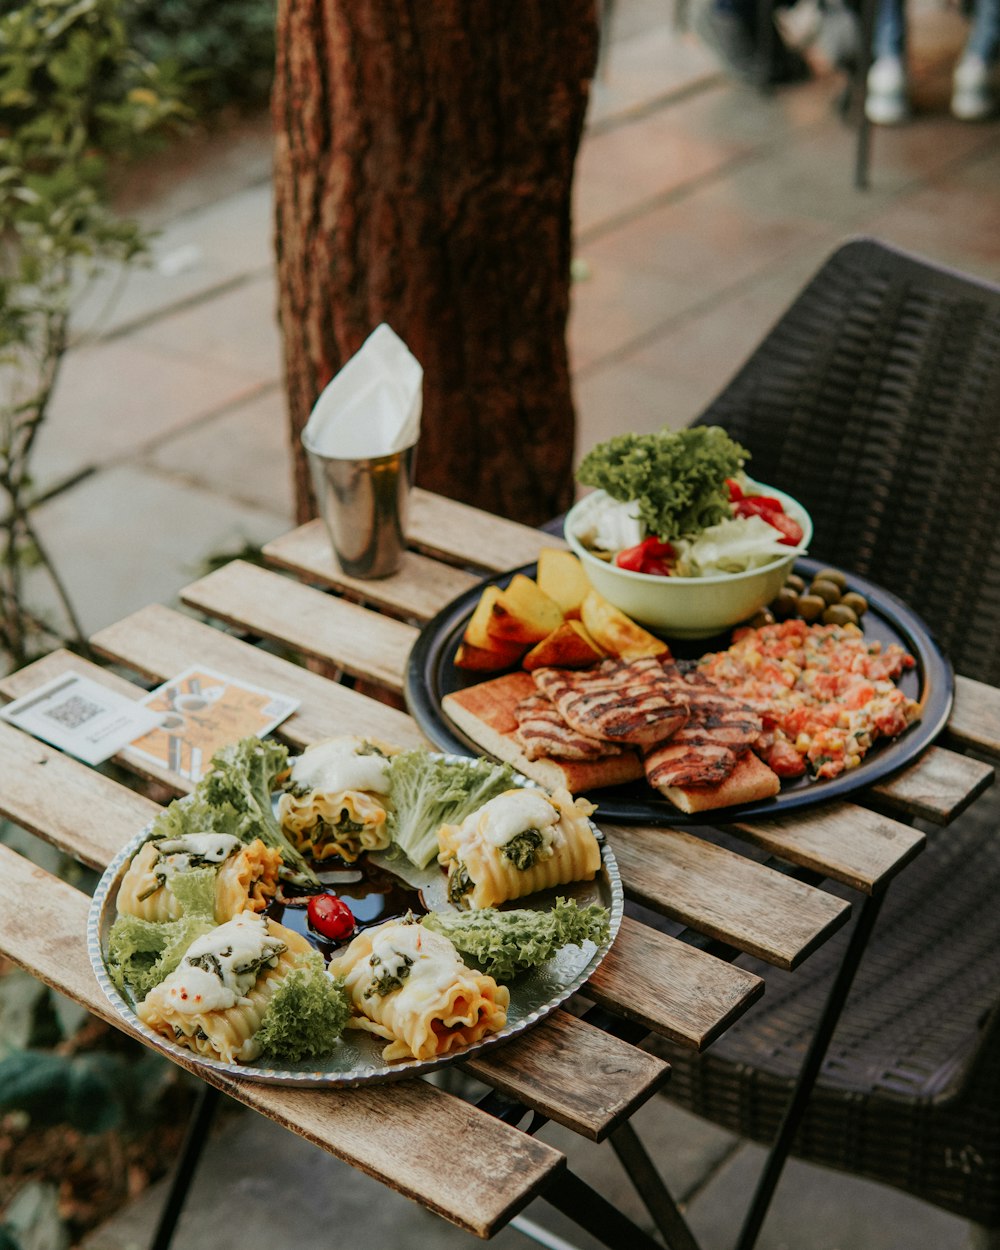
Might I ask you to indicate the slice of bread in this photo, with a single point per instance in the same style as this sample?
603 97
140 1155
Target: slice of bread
485 713
750 781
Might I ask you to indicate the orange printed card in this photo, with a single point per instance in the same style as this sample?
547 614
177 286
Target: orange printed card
202 711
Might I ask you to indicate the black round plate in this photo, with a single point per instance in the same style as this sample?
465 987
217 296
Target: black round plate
431 674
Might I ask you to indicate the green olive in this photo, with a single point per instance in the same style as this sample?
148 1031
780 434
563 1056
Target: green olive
811 607
763 617
796 583
829 592
786 604
832 575
838 614
858 602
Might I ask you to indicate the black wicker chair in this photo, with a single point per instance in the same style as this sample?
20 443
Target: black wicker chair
875 400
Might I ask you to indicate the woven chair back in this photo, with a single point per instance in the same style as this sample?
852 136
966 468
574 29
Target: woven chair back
875 400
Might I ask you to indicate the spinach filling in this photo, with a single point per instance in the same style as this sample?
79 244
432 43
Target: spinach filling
385 982
524 849
459 883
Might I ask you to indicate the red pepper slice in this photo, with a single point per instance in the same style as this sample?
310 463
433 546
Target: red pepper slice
757 505
735 489
790 528
770 510
652 555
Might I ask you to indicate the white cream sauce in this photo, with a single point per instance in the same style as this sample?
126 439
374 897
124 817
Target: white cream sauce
335 765
235 950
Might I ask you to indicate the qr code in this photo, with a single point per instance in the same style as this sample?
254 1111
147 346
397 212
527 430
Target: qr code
74 712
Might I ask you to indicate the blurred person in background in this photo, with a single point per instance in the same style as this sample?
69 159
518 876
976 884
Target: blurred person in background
761 56
973 97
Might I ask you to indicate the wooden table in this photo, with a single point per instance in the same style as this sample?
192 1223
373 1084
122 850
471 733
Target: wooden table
586 1073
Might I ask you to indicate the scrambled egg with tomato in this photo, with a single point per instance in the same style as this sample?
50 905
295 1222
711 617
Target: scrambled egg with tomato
824 692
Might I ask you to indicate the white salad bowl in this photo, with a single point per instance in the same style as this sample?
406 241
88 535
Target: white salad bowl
686 607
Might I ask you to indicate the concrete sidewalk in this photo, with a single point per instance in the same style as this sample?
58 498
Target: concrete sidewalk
701 208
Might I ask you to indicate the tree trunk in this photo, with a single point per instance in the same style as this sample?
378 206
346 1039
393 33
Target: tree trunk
424 163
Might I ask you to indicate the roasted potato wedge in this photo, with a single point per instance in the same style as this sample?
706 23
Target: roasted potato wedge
488 660
476 632
569 646
617 633
522 613
563 578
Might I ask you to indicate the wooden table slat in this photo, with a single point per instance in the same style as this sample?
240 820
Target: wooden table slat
671 988
975 718
445 1154
937 786
723 895
861 848
160 643
356 640
82 812
463 534
551 1057
418 591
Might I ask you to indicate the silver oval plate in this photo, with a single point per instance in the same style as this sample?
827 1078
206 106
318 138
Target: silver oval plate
357 1058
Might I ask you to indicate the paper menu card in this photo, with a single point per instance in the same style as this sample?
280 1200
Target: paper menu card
80 716
199 712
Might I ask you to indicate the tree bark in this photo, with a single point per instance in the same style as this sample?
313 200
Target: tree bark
424 165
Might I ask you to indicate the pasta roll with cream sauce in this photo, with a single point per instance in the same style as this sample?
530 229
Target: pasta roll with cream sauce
334 802
246 875
519 842
214 1001
410 986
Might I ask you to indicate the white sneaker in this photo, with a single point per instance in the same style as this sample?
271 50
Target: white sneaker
887 98
973 97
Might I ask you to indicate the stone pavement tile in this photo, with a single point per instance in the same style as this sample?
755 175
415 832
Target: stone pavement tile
622 168
241 454
624 397
237 329
953 219
205 165
672 376
614 305
769 120
668 262
117 396
646 64
125 537
818 1209
195 254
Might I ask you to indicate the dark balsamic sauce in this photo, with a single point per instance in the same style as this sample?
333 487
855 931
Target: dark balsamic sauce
379 895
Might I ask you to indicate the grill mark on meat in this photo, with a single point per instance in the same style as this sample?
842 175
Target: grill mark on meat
719 732
631 701
544 734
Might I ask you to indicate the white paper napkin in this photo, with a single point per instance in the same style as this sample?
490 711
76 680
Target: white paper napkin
372 406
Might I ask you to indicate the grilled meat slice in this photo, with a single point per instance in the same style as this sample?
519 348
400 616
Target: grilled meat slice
719 731
633 701
545 735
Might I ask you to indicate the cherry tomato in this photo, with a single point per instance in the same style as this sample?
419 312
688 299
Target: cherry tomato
330 916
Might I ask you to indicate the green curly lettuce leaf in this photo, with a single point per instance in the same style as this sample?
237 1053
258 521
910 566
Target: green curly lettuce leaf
427 791
235 797
142 953
306 1015
504 943
677 477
